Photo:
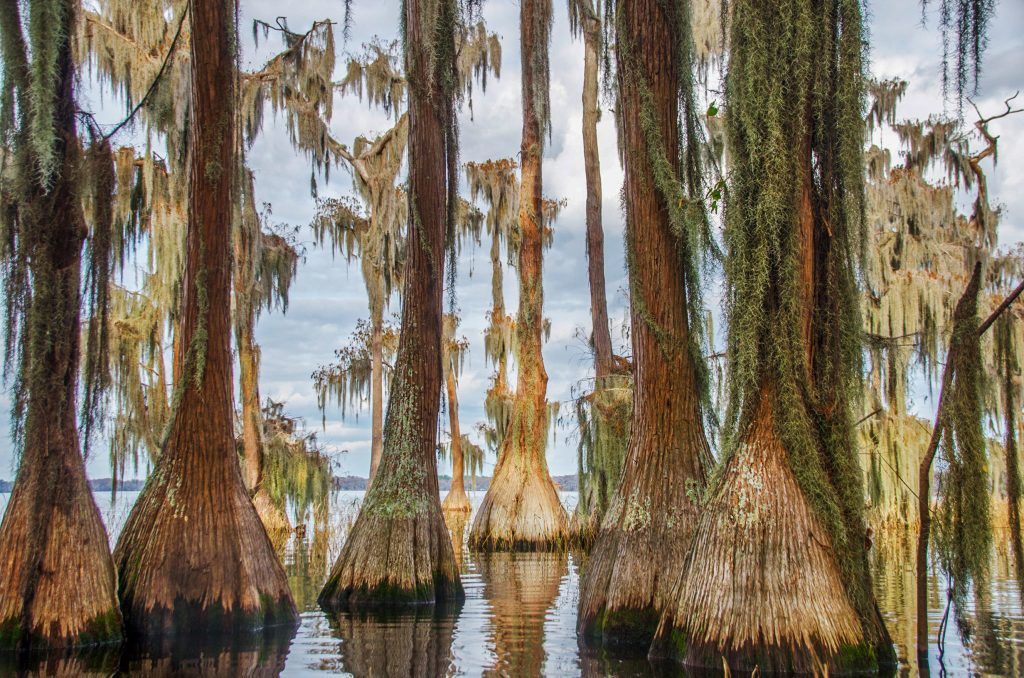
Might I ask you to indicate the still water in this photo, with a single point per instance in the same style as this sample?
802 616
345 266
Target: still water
518 619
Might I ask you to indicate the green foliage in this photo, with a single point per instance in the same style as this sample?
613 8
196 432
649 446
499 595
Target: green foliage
297 473
963 534
603 417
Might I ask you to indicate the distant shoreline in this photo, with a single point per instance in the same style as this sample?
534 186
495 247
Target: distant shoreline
568 483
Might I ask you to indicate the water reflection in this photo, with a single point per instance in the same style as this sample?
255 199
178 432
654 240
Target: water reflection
520 590
518 619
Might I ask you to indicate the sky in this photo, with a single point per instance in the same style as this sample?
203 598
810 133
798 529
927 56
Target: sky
328 296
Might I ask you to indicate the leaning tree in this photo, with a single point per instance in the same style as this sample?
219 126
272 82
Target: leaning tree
193 554
57 582
777 573
642 543
521 508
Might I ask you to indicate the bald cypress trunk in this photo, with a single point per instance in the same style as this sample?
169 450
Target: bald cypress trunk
591 29
456 501
521 509
399 551
376 394
193 556
642 543
274 519
777 579
57 585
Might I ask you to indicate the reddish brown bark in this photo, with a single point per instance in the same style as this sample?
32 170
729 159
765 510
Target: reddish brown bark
57 585
521 508
399 550
193 556
643 540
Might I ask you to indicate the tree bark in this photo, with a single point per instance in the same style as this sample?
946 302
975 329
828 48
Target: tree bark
377 395
399 551
595 233
253 445
57 584
643 540
193 556
456 500
521 509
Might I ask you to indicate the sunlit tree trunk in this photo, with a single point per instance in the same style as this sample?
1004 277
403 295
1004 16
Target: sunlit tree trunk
399 551
193 555
456 500
642 544
376 395
521 509
273 517
57 585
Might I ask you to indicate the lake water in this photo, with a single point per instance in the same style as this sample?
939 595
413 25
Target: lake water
518 620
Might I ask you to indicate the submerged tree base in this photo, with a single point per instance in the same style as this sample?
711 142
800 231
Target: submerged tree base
57 584
520 512
194 559
395 555
762 588
456 501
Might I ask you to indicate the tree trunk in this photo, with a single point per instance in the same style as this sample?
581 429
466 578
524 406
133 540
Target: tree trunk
521 509
595 233
762 587
273 516
399 551
377 394
57 584
193 556
642 544
456 501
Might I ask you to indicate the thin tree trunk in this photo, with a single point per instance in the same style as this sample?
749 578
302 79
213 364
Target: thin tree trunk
377 395
595 233
57 584
643 540
456 500
193 556
521 509
253 445
399 550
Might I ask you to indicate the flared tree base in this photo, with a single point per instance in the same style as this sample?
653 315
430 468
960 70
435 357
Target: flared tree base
195 560
456 501
57 585
520 512
394 557
763 588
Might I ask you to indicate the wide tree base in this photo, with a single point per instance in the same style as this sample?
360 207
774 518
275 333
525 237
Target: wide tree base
520 512
762 587
395 555
57 585
456 501
194 559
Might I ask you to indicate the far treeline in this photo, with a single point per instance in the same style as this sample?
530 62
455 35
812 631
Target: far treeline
728 490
